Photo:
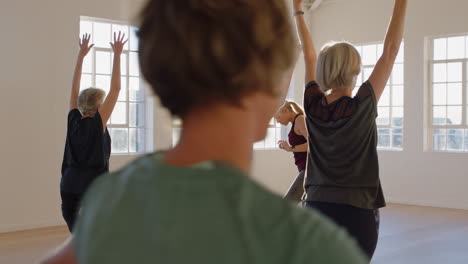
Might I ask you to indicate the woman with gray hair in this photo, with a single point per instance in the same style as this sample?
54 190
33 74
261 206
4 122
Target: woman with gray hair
88 144
342 179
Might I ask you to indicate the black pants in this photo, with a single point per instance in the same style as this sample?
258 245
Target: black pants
70 208
362 224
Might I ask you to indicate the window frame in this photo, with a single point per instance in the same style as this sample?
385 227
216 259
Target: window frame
143 103
430 127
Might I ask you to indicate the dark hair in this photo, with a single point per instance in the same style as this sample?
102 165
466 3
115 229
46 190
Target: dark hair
201 52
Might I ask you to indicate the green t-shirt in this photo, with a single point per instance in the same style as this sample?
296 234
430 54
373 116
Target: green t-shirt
150 212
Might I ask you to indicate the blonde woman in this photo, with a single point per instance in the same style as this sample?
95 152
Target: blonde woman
88 143
211 64
342 179
292 113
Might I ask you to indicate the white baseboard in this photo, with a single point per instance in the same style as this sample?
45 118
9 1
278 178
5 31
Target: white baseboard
439 204
40 224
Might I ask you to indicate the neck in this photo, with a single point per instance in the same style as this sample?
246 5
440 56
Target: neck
292 117
336 94
217 135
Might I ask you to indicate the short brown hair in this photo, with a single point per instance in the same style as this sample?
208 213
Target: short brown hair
199 52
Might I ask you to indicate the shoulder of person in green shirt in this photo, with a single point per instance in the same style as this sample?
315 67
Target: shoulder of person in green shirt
150 212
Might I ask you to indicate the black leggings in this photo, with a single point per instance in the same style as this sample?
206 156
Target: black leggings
362 224
70 208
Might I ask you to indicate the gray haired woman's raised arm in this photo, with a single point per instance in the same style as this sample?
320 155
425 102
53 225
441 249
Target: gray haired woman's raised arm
108 106
84 49
393 39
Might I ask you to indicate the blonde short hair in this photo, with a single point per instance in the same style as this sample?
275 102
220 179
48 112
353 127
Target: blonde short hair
337 65
89 100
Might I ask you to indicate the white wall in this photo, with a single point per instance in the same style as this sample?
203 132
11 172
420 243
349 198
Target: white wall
37 56
412 176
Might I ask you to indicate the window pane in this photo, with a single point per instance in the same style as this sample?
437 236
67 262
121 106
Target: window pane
137 115
440 72
278 135
367 72
86 81
133 39
359 79
369 55
103 82
397 139
270 140
119 140
455 139
123 89
86 27
454 115
455 72
466 140
440 140
359 49
88 63
439 115
440 94
119 115
121 28
137 140
384 138
397 95
466 49
136 91
454 94
102 33
384 116
176 135
398 74
134 67
103 62
440 49
397 116
379 50
456 48
385 97
123 64
401 54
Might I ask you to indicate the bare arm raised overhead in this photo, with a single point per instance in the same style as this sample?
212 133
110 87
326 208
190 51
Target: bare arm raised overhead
393 39
108 106
310 55
84 49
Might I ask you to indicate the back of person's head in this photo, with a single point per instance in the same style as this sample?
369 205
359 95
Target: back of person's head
287 112
337 66
197 53
292 107
89 100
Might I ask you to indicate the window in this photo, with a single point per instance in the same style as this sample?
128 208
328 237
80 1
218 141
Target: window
448 126
127 125
276 131
390 106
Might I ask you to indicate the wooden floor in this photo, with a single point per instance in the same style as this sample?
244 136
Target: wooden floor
408 234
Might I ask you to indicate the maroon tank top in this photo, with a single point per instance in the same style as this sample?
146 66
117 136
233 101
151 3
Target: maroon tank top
295 140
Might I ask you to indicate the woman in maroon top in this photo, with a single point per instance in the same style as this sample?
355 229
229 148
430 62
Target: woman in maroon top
292 113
